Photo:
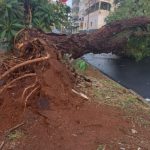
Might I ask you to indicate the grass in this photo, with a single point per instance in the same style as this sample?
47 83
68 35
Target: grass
13 136
106 91
115 95
101 147
143 121
80 65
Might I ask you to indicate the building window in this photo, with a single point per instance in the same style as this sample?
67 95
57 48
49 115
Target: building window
81 25
91 24
97 6
105 6
85 25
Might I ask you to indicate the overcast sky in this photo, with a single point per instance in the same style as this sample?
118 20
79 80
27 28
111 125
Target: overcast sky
69 2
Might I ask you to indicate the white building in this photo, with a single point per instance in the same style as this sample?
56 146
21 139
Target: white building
92 13
75 16
82 13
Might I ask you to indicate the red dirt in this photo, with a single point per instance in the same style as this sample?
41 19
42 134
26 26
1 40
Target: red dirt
58 119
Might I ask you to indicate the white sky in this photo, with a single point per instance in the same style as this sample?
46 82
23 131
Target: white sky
69 2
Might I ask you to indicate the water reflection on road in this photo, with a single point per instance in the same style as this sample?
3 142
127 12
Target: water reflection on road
131 74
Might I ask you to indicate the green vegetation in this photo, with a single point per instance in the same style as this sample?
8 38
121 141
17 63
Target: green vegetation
138 44
11 14
138 47
18 14
105 91
80 65
101 147
129 9
45 15
15 135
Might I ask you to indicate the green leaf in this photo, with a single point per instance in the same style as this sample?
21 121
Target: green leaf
18 25
13 32
3 34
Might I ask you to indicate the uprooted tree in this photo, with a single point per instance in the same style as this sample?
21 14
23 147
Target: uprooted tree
32 47
113 37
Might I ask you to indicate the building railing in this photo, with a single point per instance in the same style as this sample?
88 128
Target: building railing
98 6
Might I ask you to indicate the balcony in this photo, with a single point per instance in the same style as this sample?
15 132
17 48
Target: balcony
98 6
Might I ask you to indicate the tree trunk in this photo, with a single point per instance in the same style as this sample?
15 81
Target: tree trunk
104 40
110 38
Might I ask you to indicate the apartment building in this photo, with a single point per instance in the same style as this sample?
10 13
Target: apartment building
89 15
75 9
92 13
75 16
82 13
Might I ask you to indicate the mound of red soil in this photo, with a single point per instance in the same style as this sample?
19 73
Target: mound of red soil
56 118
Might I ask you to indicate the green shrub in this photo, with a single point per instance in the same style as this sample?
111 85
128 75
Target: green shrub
18 14
137 46
81 65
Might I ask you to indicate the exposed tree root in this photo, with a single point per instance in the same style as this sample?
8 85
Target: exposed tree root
2 145
5 65
19 78
30 94
28 62
27 88
14 128
17 35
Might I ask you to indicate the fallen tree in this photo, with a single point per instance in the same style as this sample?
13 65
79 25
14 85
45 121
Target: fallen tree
112 37
106 39
31 45
35 70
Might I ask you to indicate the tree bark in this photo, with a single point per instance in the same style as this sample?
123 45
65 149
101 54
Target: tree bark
112 37
104 40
